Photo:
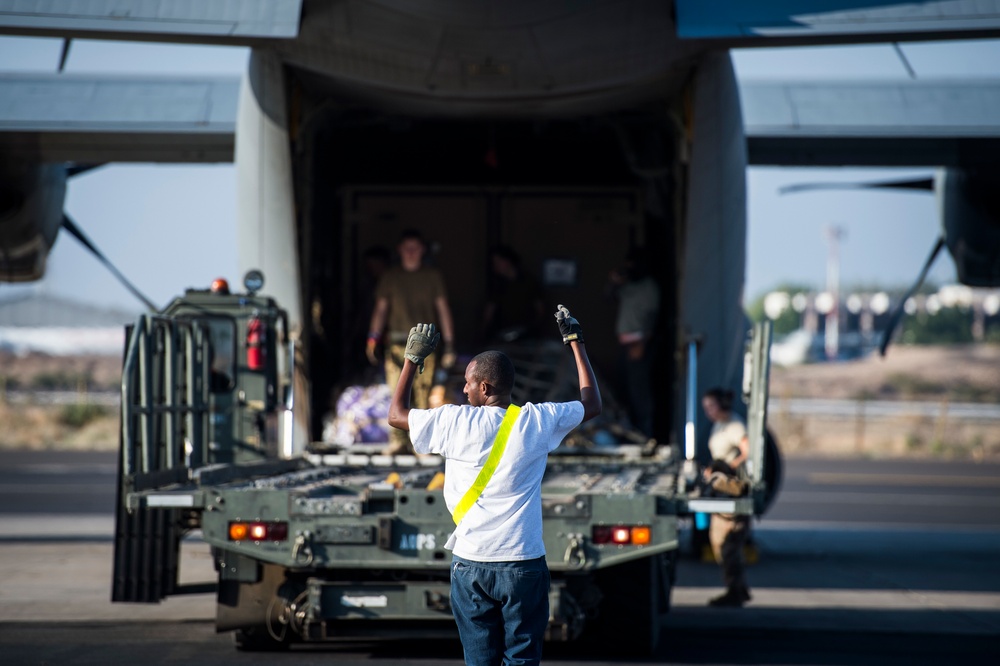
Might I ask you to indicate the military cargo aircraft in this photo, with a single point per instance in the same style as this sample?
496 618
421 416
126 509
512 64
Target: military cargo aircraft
569 131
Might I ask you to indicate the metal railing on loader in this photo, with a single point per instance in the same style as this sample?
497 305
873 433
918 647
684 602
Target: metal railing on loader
164 434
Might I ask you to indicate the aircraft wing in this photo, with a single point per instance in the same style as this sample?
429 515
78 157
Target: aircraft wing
872 123
98 119
832 21
243 22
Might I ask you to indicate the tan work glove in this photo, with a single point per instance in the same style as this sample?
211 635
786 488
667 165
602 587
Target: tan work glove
421 343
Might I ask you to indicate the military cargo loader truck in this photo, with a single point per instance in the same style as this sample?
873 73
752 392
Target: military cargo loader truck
331 543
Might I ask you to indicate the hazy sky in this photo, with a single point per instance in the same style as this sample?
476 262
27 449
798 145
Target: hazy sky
888 235
171 227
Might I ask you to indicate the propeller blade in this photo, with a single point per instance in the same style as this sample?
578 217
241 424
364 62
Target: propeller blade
64 54
897 314
77 233
918 184
77 169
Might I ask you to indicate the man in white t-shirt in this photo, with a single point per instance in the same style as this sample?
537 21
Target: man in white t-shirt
499 578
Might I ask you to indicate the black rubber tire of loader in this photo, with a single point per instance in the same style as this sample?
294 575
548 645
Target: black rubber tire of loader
634 601
258 639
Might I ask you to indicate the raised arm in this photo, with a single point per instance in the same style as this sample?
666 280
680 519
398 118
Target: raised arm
399 407
420 344
590 393
572 335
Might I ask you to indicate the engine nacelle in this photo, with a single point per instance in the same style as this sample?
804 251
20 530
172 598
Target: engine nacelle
970 215
31 210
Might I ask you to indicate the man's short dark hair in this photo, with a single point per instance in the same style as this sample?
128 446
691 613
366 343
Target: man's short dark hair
723 398
506 252
412 234
495 368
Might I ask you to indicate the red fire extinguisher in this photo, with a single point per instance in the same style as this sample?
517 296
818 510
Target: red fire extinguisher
255 344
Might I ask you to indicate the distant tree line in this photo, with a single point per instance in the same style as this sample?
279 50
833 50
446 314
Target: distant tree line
947 325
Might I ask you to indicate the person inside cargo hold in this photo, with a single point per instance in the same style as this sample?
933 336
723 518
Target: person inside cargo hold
495 456
727 476
407 293
515 309
638 297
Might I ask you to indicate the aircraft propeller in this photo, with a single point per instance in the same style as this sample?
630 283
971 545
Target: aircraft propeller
69 225
919 184
897 314
916 184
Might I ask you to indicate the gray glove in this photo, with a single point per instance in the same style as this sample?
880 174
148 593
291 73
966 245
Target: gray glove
421 342
568 326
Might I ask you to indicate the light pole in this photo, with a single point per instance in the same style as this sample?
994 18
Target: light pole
833 234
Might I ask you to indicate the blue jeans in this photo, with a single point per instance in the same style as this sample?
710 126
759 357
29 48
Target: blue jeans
502 610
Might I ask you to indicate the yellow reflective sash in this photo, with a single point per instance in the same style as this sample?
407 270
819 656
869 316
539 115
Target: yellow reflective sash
486 473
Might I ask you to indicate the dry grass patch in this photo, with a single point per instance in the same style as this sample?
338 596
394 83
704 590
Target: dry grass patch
959 373
37 427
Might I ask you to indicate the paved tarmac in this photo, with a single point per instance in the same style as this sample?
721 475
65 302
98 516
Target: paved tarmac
58 569
880 579
842 579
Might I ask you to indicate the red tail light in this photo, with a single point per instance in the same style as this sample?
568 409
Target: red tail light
258 531
621 535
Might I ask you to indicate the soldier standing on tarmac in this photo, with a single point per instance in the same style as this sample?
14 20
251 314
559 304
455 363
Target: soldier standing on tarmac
727 476
499 577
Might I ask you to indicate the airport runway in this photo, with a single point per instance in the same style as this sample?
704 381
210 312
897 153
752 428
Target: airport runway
965 411
862 562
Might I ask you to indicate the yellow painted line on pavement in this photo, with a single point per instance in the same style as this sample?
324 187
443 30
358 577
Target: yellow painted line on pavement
837 478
